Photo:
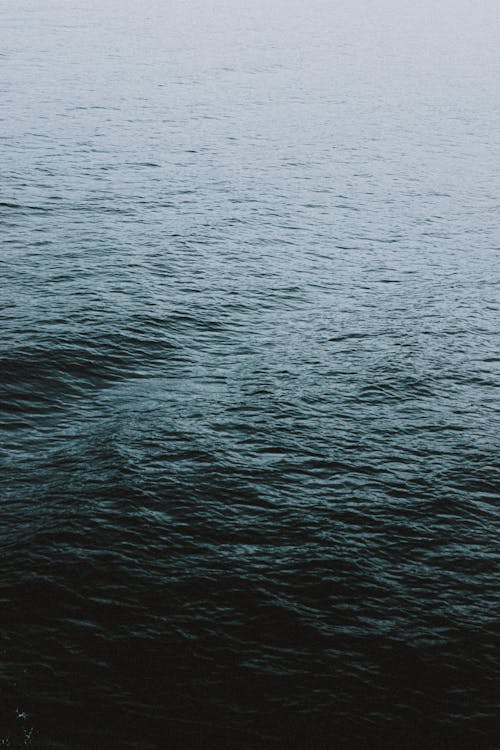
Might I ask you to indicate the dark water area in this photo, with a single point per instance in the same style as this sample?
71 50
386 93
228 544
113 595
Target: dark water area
249 375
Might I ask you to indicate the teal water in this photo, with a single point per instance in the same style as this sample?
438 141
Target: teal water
249 375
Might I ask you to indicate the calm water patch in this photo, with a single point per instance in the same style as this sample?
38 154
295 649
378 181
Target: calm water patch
249 372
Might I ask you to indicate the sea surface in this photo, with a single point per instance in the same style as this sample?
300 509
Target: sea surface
249 358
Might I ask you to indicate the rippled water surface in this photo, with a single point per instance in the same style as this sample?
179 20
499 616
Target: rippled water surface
249 367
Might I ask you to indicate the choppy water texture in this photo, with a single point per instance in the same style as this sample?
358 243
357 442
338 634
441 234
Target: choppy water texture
249 365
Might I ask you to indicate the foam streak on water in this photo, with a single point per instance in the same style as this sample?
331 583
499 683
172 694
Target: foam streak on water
249 375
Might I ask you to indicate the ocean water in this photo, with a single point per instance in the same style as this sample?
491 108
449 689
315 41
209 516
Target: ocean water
249 375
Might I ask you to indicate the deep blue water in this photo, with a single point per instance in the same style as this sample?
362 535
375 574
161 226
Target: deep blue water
249 375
